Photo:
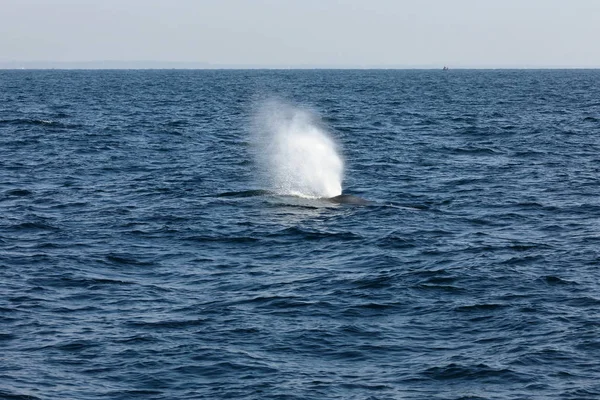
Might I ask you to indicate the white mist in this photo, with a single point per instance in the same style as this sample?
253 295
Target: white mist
296 154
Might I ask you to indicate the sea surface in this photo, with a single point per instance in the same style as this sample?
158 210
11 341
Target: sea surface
142 258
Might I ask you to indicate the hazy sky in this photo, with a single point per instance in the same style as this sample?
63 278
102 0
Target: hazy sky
284 33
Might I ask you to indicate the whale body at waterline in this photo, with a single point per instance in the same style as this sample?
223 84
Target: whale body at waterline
349 199
340 199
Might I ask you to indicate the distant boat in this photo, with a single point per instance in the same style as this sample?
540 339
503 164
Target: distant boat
445 68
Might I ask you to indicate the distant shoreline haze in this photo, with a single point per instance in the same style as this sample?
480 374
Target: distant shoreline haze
111 64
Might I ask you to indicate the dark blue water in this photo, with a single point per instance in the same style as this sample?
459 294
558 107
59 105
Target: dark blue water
140 258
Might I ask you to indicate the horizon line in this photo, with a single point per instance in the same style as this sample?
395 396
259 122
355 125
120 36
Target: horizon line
198 65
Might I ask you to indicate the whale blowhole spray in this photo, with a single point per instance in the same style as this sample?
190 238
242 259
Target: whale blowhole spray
295 153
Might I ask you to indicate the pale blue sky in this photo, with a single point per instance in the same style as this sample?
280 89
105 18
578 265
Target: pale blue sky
280 33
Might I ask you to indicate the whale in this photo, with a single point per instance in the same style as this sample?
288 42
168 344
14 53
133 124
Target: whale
349 199
341 199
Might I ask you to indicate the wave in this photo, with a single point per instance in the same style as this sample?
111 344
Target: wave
38 122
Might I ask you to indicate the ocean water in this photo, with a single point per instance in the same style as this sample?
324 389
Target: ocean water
155 244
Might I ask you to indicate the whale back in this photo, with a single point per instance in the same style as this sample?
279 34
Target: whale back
349 199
